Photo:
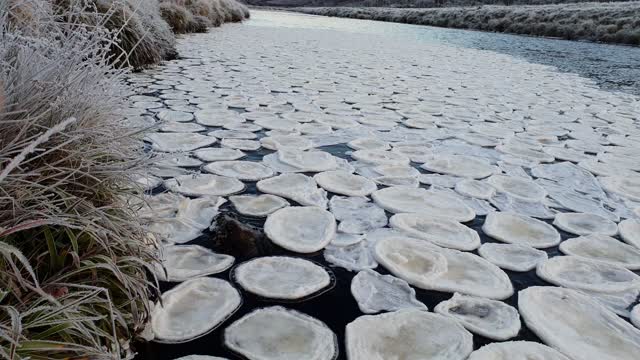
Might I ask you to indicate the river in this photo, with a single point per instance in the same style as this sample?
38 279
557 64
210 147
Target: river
612 67
501 104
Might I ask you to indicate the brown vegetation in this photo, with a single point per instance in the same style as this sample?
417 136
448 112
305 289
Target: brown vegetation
603 22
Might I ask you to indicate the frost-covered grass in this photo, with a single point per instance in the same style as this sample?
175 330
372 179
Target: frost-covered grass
186 16
604 22
73 256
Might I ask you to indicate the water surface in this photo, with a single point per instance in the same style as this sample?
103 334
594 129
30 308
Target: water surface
612 67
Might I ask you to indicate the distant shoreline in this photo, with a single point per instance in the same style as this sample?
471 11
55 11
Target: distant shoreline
614 23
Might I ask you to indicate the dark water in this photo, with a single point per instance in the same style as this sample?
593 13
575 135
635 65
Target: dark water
612 67
336 307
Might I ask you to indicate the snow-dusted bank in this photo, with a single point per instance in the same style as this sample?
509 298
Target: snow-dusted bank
495 174
598 21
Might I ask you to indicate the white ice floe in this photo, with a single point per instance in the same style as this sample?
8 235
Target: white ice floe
603 248
447 181
232 134
281 277
507 203
177 160
297 187
204 185
514 257
380 157
569 176
577 325
357 215
174 230
177 116
635 316
582 274
418 200
440 231
344 239
518 187
276 123
475 188
368 144
258 205
627 186
416 153
407 334
219 154
630 232
489 318
585 224
283 142
308 161
345 183
184 262
175 142
241 144
375 293
354 257
431 267
147 181
516 350
519 229
193 309
303 229
459 165
276 333
200 357
178 127
242 170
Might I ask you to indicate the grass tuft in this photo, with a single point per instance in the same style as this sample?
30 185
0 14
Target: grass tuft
73 256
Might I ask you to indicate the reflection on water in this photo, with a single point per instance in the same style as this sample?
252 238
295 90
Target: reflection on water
613 67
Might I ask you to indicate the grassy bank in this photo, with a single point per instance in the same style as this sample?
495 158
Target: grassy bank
73 253
602 22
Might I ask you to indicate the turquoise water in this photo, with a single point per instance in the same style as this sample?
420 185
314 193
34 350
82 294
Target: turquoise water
612 67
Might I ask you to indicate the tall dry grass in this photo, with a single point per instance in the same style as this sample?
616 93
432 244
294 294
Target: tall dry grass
604 22
73 256
185 16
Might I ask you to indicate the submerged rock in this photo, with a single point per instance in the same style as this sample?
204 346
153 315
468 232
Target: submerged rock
577 325
519 229
281 277
516 350
407 334
578 273
489 318
440 231
514 257
375 293
239 240
434 268
303 229
289 335
193 309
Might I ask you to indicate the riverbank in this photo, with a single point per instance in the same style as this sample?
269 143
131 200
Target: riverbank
74 254
617 23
